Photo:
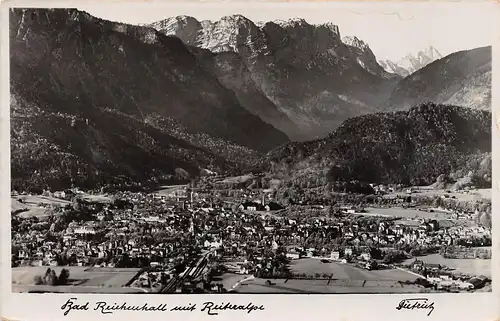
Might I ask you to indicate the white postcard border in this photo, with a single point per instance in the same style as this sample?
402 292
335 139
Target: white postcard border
352 307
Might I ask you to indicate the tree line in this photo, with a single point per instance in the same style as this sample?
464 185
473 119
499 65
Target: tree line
51 278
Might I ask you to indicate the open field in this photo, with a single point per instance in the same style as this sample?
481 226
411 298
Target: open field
347 271
97 198
472 195
168 189
322 286
229 280
346 279
407 212
84 277
467 266
75 289
35 205
236 179
274 184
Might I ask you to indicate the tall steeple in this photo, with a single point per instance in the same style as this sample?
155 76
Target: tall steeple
191 226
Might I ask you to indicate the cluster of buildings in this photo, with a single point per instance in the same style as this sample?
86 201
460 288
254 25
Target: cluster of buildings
163 233
442 278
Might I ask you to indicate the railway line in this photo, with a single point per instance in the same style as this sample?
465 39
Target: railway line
191 272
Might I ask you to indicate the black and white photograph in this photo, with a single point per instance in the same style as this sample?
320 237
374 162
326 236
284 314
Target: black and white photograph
223 150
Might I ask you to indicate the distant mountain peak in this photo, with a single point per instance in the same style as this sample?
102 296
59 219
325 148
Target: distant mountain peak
431 52
182 20
333 27
239 18
412 62
292 22
462 78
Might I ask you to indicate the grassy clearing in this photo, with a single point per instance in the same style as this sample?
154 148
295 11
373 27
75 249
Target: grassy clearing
97 198
472 195
168 189
347 271
346 279
74 289
36 205
82 276
237 179
322 286
407 213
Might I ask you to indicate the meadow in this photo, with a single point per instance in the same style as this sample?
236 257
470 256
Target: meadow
35 205
346 279
81 279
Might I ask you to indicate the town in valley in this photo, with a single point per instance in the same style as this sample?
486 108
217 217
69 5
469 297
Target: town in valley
218 235
263 151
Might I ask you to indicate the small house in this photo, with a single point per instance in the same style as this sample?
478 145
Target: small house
251 206
366 256
293 255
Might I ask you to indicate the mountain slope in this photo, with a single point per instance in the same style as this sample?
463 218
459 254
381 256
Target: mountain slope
305 70
233 74
462 78
57 150
409 147
411 63
73 62
101 102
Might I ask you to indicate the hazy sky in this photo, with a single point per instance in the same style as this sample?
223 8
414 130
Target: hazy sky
390 29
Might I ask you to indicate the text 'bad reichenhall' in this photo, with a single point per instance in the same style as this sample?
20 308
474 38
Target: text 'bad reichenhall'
210 308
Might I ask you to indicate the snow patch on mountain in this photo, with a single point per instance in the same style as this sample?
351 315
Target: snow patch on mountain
355 42
411 62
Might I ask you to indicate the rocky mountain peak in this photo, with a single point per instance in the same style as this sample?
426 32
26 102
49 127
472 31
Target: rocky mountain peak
183 27
355 42
237 33
325 73
178 21
233 24
293 22
412 62
236 18
364 56
333 27
431 53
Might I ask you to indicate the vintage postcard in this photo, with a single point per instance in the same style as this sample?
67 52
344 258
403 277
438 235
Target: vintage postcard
281 160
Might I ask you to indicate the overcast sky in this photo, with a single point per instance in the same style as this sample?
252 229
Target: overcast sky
390 29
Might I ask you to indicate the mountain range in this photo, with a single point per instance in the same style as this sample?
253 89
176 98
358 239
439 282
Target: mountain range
411 63
462 78
312 75
97 102
71 71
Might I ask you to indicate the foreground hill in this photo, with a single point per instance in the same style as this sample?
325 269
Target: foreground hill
58 150
304 79
462 78
410 147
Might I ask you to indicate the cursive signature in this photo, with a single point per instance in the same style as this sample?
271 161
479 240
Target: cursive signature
417 303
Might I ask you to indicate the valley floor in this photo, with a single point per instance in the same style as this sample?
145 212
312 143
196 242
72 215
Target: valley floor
346 279
81 279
